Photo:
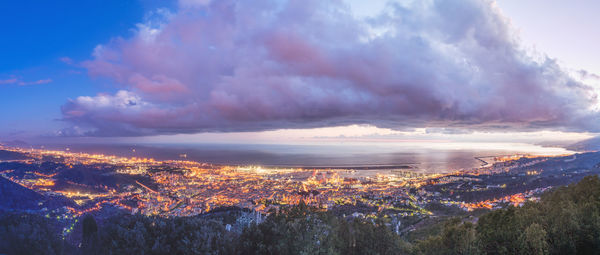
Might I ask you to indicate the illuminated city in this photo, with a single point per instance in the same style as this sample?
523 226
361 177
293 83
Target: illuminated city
185 188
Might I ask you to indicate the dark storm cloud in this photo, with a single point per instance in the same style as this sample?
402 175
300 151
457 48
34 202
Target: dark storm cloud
258 65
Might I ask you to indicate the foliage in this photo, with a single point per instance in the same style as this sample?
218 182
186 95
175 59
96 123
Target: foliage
456 238
30 234
564 221
302 230
90 239
135 234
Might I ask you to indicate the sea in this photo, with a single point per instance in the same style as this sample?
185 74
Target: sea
413 157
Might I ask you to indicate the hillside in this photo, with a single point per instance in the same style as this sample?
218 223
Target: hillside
592 144
16 197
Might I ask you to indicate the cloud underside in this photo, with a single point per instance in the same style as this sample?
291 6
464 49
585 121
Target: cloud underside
261 65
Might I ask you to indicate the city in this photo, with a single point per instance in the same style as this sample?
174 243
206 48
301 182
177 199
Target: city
88 183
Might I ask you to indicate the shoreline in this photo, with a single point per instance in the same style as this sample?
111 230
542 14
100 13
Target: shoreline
484 161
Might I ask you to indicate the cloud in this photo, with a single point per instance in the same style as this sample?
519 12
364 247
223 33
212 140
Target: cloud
587 75
24 83
9 81
193 3
261 65
43 81
66 60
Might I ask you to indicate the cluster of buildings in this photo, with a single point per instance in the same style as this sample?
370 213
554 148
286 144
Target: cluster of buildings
184 188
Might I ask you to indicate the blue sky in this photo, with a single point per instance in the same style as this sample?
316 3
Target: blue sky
46 43
36 35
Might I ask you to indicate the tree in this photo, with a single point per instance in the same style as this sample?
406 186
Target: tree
89 240
30 234
534 240
457 237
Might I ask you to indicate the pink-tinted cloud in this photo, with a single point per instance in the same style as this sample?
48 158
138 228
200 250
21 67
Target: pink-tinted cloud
255 65
9 81
24 83
66 60
43 81
193 3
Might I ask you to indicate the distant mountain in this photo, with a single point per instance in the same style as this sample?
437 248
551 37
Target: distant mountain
11 155
16 143
592 144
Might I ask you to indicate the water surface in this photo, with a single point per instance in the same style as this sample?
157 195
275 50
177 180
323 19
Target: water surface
416 158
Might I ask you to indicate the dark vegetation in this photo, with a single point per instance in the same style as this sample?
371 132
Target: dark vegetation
301 230
565 221
17 197
31 234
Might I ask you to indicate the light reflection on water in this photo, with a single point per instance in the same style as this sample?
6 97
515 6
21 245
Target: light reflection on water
419 157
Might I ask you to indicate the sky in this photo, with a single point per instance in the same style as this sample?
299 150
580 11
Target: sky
276 71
